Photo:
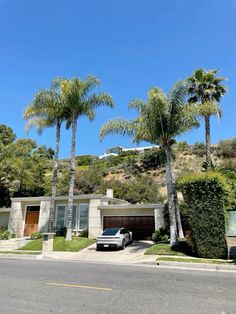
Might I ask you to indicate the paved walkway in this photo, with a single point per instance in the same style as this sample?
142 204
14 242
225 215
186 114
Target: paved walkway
133 253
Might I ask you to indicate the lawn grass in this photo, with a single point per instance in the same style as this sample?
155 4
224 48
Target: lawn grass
59 244
77 244
34 245
164 249
180 253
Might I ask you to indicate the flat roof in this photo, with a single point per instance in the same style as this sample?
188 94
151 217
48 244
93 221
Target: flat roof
65 198
132 206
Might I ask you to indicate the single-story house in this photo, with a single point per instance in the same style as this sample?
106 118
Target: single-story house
93 212
4 216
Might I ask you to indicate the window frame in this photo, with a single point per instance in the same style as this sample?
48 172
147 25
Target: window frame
77 215
79 229
65 217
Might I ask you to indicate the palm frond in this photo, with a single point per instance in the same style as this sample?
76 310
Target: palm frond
177 94
45 110
117 126
39 123
96 100
137 104
89 84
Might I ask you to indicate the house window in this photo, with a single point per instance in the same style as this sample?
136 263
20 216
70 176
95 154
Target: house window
60 218
83 216
74 217
79 217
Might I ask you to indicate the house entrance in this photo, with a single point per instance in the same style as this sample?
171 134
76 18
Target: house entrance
31 220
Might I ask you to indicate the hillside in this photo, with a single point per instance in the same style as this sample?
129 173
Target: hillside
141 177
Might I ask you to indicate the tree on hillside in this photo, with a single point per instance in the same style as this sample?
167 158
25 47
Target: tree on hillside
141 190
22 170
161 118
6 135
22 167
79 101
47 110
205 90
27 168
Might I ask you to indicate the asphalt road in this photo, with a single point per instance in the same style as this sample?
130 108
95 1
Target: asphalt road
39 286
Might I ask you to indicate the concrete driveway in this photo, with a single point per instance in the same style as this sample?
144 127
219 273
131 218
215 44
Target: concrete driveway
133 253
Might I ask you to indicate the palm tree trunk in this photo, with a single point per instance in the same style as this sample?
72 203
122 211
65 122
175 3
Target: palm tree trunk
71 181
177 212
171 199
208 142
54 178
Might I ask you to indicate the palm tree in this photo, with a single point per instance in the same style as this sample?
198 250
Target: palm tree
206 90
161 118
79 101
47 110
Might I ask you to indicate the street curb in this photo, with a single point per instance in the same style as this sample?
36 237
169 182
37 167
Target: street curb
202 266
158 264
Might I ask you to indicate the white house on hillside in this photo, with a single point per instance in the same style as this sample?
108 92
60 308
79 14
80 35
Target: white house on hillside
115 151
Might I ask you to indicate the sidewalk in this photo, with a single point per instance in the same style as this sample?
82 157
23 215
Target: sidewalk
132 255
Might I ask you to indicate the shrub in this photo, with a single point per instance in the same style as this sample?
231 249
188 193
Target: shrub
4 234
113 161
141 190
182 147
85 160
199 149
227 148
131 167
160 236
61 232
87 181
129 153
36 235
153 159
230 176
205 197
84 233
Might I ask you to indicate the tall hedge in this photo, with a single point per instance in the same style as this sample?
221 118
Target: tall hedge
204 195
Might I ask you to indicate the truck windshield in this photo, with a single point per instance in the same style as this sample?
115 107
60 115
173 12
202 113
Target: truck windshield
110 231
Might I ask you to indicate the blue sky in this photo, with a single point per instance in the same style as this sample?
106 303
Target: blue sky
129 45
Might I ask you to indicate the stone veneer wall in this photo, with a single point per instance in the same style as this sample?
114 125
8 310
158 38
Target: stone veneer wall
44 216
94 222
16 219
159 218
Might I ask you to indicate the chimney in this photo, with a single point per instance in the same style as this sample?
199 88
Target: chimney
110 193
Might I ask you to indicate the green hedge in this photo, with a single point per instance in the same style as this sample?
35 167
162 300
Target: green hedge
153 159
205 195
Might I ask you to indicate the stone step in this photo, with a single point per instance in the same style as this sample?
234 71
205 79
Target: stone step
13 244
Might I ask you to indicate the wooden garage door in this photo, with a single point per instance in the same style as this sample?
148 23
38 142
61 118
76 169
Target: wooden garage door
141 226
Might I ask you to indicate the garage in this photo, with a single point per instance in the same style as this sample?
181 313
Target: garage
141 226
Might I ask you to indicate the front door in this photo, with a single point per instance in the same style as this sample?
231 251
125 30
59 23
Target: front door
31 220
